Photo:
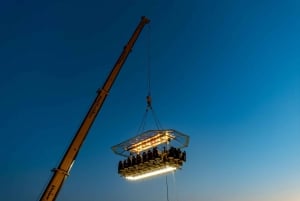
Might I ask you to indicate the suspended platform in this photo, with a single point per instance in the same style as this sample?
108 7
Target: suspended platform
151 153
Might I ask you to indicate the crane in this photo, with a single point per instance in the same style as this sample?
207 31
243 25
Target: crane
62 171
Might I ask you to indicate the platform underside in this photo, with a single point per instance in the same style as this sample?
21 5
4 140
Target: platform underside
154 167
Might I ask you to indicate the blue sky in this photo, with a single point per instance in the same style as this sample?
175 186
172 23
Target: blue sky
227 73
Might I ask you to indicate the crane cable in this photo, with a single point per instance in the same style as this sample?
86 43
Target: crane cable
167 188
148 61
148 97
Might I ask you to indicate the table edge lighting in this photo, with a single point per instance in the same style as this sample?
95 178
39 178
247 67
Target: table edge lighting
151 174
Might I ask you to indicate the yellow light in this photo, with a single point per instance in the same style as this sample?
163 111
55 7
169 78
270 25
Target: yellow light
156 140
151 174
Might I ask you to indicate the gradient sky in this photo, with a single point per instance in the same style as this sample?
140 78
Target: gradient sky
227 73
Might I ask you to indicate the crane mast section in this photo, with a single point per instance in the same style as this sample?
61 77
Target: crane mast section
61 173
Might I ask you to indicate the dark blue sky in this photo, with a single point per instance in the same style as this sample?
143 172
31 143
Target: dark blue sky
227 73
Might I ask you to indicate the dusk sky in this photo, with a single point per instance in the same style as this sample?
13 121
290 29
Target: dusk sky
226 73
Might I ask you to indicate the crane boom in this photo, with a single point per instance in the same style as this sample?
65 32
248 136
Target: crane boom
62 172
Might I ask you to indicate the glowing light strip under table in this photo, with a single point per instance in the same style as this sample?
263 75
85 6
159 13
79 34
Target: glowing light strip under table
150 174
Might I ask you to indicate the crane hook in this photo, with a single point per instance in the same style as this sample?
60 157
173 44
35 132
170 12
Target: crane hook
149 101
